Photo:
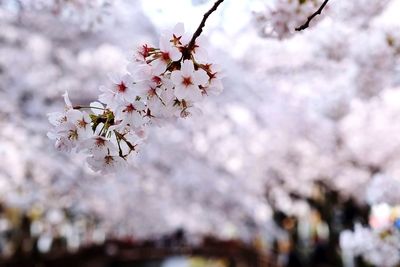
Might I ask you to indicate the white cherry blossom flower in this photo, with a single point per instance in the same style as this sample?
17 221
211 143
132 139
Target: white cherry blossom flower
187 81
105 163
99 144
177 35
214 85
142 52
199 52
132 114
83 125
66 136
68 104
120 89
168 53
147 83
71 128
56 118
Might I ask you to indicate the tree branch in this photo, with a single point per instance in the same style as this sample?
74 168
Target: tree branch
202 24
312 16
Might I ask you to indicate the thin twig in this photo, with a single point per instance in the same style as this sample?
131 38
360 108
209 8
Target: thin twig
311 17
122 137
202 24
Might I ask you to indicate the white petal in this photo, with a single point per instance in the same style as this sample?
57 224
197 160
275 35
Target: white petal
55 118
130 95
215 87
86 117
115 78
201 55
141 88
159 66
140 71
68 103
139 105
216 68
200 77
187 68
185 39
179 29
176 77
165 44
84 133
73 115
97 108
136 119
180 92
193 93
174 53
127 79
103 88
52 135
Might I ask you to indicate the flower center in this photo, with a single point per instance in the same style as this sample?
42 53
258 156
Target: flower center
82 123
187 81
156 80
121 87
130 108
108 159
145 51
165 56
62 119
73 135
100 142
207 67
176 39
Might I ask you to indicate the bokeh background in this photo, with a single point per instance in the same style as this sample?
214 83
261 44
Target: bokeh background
297 163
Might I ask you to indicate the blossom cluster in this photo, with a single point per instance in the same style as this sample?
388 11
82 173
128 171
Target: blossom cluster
379 242
282 18
87 13
376 246
160 85
383 189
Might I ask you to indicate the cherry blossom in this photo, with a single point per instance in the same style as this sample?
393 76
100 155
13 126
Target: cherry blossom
187 81
119 90
168 53
379 247
279 19
161 83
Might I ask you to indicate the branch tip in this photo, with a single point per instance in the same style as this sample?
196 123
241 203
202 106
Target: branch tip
312 16
203 23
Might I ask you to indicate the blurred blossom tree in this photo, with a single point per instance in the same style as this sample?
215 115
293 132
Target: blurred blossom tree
301 108
89 14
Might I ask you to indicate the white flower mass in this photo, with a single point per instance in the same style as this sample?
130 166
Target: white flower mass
214 140
162 84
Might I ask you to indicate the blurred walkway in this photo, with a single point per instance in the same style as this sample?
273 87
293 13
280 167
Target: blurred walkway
146 254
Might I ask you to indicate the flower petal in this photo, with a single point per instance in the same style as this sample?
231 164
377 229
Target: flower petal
97 108
176 77
174 54
200 77
187 68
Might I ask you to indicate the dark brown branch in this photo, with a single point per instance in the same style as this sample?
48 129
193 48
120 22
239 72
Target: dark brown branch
311 17
202 24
